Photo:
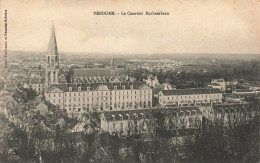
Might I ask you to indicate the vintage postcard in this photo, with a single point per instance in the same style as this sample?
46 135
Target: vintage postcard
159 81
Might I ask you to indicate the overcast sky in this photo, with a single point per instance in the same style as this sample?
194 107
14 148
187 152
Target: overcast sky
212 26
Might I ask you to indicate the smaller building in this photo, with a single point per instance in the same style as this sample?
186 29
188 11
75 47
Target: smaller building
220 82
215 85
36 84
126 123
233 113
189 97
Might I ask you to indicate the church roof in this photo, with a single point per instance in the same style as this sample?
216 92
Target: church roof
97 72
52 47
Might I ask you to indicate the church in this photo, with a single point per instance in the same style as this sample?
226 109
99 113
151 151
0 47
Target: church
111 74
93 89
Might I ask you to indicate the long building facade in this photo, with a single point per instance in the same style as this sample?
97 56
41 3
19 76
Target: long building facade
142 121
75 98
126 123
185 97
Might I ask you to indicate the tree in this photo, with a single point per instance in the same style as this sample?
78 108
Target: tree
30 93
234 143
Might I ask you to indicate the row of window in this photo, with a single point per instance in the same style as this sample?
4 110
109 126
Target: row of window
191 96
88 88
102 107
101 93
127 104
129 126
99 99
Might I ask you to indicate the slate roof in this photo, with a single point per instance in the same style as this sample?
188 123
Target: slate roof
244 90
233 108
92 72
178 132
94 86
182 111
191 91
148 113
126 114
157 88
103 79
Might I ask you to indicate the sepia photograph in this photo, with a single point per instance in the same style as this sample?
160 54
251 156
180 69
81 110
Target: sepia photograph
149 81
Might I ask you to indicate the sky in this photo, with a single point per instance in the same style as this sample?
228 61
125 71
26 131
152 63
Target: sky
194 26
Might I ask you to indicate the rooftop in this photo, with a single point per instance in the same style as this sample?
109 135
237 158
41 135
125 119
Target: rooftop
233 108
97 86
127 114
92 72
181 111
244 90
191 91
148 113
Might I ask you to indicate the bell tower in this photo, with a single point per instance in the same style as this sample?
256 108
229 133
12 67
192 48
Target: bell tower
52 61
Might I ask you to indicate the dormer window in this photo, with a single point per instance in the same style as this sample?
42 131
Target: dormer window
70 89
135 115
120 116
131 87
79 88
142 115
123 87
128 116
88 88
113 116
195 111
115 87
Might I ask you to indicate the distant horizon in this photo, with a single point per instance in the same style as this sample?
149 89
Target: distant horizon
129 54
192 27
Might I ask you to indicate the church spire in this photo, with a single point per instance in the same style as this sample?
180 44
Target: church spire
52 48
52 61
